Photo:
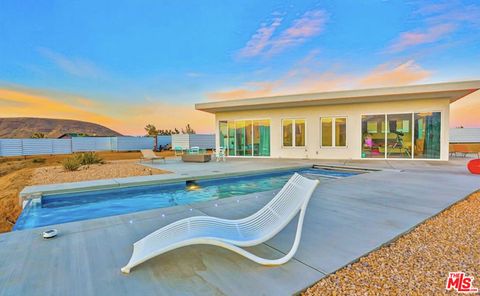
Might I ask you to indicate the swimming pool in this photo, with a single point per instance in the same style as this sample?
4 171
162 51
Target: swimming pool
63 208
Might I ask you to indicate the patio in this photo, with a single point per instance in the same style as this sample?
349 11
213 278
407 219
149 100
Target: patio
346 219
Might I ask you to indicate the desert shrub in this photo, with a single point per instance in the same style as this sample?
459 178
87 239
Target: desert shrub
39 160
88 158
71 164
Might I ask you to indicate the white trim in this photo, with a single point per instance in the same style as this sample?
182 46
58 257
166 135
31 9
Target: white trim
294 132
334 132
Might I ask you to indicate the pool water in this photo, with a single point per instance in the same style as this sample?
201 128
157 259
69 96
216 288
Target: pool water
63 208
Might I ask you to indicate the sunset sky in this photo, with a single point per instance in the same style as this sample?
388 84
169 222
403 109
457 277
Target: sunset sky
125 64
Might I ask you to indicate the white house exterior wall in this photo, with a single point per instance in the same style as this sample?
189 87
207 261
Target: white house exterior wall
353 113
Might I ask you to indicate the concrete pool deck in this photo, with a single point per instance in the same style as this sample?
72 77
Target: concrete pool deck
346 219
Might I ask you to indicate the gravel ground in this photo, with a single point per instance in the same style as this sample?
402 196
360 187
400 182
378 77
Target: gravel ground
418 262
109 170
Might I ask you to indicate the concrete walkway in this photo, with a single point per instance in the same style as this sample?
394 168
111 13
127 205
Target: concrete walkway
346 219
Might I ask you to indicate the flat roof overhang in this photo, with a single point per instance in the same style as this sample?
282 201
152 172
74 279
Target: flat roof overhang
448 90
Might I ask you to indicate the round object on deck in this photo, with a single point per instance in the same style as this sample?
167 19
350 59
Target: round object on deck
474 166
50 233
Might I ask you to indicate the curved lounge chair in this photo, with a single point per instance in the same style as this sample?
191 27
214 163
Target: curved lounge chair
233 234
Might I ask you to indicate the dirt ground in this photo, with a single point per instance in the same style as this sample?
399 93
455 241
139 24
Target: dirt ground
417 263
18 172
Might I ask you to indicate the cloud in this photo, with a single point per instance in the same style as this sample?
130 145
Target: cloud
34 103
464 112
410 39
308 76
389 75
74 66
260 40
164 116
250 90
309 25
126 118
265 42
439 20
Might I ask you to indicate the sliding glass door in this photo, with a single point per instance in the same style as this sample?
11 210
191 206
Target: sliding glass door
261 138
245 137
407 136
399 136
427 135
373 136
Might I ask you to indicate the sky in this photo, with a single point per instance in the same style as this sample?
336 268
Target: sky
125 64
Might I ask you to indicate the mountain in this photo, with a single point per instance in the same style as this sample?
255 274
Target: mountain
25 127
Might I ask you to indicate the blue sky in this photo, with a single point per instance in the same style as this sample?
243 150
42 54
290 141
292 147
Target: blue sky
134 62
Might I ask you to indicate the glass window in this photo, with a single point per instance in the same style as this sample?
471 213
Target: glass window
327 132
240 137
287 133
399 135
334 132
248 138
373 136
231 138
223 135
427 135
299 132
261 138
340 132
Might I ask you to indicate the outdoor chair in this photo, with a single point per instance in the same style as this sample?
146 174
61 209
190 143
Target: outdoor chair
254 230
178 150
148 154
220 154
194 150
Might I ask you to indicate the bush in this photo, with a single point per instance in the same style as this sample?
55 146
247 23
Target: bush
39 160
71 164
88 158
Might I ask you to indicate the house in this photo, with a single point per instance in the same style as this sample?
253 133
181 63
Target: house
406 122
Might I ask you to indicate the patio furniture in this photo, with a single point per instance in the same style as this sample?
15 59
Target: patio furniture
196 157
194 150
474 166
220 154
178 150
291 200
148 154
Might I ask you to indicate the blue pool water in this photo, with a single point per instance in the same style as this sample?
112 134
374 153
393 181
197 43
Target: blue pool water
63 208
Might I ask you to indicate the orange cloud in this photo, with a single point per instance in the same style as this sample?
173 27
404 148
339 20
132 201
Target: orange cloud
24 103
466 111
432 34
260 89
164 116
384 75
304 78
126 118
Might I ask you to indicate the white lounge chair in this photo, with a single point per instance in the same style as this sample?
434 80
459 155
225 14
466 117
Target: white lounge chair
233 234
148 154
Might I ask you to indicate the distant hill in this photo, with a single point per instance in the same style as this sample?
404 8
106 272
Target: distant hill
25 127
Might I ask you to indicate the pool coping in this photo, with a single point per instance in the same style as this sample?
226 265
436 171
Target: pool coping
37 191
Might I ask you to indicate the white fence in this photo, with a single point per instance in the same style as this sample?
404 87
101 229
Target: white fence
465 135
186 141
23 147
